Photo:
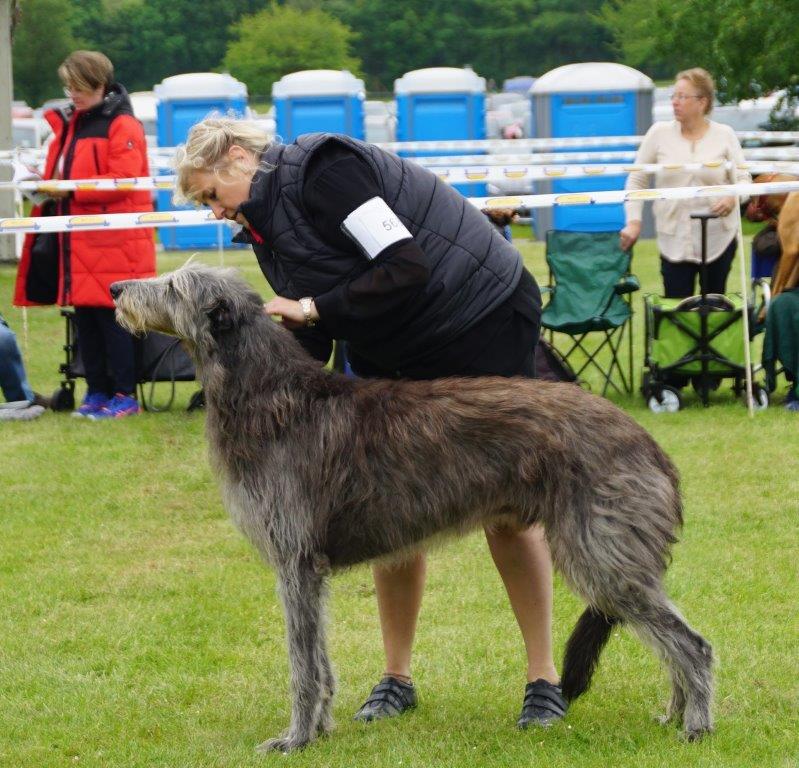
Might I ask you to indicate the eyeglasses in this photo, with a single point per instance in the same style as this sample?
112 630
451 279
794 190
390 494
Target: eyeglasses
69 91
684 96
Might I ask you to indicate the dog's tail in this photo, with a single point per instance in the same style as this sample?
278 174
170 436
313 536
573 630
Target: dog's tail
585 645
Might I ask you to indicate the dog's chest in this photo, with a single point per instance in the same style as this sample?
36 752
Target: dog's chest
250 514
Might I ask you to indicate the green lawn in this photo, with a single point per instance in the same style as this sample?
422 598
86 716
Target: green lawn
138 629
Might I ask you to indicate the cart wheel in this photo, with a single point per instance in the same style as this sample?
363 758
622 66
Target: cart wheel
63 399
665 400
760 398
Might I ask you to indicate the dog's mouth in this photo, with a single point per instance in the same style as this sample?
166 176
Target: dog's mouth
127 322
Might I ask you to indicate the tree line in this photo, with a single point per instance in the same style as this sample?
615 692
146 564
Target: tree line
746 44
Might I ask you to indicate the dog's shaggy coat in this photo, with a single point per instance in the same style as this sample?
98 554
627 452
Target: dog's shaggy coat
320 472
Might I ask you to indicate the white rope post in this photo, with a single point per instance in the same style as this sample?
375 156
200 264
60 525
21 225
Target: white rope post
745 313
219 244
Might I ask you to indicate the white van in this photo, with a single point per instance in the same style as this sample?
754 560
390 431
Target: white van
29 132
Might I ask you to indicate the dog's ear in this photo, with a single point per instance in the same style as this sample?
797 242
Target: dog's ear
221 316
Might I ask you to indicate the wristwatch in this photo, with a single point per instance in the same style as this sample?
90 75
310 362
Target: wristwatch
305 306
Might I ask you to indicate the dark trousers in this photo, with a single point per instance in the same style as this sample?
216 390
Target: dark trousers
679 278
106 350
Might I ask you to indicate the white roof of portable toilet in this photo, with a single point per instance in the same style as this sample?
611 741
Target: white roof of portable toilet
440 80
318 82
202 85
145 104
590 77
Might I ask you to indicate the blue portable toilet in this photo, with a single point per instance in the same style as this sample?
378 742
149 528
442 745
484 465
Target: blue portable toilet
319 100
442 104
591 99
184 100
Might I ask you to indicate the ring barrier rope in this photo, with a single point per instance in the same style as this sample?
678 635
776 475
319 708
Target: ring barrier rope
475 174
99 185
622 196
512 144
34 224
790 154
568 142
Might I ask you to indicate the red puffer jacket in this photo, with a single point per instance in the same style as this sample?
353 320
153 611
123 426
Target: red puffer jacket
105 142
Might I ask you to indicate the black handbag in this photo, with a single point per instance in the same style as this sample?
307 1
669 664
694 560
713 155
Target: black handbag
41 283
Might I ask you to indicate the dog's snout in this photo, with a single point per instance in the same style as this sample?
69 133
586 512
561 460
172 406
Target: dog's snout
116 289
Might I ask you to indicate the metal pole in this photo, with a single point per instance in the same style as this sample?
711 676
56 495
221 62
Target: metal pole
7 242
750 403
703 312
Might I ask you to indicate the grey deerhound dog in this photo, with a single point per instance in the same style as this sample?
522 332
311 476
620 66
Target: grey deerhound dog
321 471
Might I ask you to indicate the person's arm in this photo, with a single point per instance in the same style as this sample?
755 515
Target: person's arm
343 200
633 210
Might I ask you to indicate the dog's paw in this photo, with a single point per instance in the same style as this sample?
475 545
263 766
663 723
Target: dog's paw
287 743
325 726
695 734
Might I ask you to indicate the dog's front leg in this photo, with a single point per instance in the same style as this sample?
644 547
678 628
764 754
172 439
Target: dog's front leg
302 585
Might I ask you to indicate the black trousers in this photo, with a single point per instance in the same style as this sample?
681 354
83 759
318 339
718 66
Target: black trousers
679 278
106 350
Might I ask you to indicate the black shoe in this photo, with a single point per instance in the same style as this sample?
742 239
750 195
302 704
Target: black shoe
543 704
45 402
389 698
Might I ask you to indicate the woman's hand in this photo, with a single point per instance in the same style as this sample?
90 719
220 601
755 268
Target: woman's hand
629 235
724 206
289 311
501 216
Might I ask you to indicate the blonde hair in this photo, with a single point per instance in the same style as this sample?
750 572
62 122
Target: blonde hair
206 149
86 71
701 80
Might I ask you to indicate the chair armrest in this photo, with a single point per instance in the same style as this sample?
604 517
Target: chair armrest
628 284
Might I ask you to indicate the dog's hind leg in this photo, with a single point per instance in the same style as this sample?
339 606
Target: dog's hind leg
687 654
302 586
328 685
676 707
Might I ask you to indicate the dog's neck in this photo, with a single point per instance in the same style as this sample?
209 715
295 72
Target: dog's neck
258 367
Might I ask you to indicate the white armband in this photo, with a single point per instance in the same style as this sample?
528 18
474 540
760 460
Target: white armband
374 226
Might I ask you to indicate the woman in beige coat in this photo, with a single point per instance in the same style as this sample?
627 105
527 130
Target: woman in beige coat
690 138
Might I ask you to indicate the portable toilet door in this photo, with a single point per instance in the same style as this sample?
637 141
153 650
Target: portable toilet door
319 100
183 101
591 99
442 104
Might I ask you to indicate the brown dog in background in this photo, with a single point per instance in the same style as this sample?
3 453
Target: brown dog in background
782 210
787 276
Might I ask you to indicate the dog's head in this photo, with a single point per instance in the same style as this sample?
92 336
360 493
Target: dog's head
196 303
764 207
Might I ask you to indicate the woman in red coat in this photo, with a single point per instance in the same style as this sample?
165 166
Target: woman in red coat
96 137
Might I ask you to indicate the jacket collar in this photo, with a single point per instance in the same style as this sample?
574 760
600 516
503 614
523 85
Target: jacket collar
115 102
258 208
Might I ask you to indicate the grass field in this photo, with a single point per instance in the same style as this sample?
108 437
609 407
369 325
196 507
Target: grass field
138 628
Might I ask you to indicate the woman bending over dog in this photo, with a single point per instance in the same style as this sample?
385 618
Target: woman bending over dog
362 246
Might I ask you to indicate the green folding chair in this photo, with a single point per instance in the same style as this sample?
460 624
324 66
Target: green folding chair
589 287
